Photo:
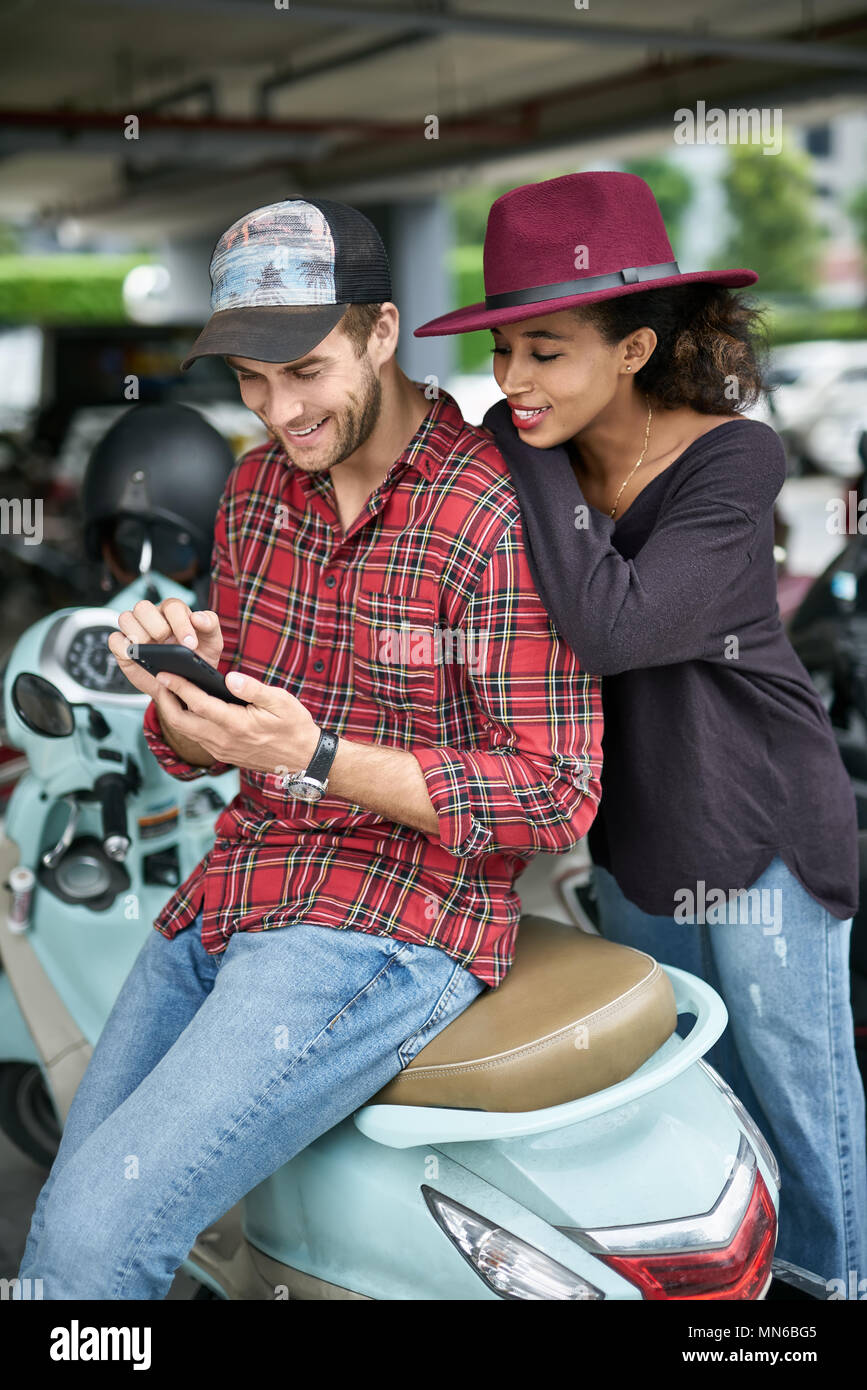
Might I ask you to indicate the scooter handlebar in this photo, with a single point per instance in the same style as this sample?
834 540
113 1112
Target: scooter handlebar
111 789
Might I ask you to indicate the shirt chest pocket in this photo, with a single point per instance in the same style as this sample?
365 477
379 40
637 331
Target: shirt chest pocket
394 654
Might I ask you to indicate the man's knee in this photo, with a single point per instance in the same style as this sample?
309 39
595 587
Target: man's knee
92 1207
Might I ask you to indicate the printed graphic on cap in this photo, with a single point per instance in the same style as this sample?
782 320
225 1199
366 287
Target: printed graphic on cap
280 254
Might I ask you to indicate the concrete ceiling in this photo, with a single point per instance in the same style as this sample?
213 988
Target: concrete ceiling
239 101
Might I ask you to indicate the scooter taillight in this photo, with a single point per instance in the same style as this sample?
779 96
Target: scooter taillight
739 1270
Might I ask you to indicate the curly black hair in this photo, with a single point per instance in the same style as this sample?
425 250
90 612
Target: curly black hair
711 345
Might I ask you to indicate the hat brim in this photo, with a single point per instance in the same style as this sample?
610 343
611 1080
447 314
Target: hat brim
477 316
266 333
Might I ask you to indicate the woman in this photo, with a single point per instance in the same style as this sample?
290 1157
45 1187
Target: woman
647 503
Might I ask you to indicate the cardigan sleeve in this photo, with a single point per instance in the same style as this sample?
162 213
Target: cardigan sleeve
657 608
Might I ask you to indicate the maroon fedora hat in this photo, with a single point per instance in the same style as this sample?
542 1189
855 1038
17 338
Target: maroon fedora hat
573 240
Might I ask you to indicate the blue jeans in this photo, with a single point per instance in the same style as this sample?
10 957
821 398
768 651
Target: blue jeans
212 1072
788 1052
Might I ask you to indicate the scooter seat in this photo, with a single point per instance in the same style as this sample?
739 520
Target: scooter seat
576 1013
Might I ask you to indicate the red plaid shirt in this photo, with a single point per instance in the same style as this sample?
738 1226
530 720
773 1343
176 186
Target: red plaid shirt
477 685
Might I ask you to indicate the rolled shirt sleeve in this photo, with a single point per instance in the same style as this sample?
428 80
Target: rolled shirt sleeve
534 784
166 755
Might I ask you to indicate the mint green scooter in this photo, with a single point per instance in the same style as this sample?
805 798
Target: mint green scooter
559 1140
562 1138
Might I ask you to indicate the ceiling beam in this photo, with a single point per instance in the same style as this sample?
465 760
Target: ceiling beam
570 119
303 72
72 122
579 30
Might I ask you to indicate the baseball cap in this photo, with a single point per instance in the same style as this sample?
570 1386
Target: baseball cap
284 275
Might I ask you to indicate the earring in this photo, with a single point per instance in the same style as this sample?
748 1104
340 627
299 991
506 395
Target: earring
629 369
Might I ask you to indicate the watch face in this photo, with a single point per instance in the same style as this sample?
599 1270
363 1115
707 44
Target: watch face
305 789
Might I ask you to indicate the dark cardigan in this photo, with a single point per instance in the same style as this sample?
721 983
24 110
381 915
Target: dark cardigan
718 751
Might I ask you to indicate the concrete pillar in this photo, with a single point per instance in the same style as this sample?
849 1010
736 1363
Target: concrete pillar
418 239
188 297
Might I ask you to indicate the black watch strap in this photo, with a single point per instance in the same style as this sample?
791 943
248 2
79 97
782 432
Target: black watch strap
320 764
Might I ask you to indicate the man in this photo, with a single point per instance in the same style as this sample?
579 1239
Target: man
414 732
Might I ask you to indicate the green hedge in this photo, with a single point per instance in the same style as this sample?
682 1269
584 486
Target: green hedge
474 349
65 288
801 323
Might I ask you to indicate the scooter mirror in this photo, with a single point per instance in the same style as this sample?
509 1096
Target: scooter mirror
41 706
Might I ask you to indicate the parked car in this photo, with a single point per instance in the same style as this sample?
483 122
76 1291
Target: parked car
814 395
831 442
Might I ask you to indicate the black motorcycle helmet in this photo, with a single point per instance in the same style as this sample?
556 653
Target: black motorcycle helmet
158 473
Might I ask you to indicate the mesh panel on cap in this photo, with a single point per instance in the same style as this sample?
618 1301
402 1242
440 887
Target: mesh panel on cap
361 269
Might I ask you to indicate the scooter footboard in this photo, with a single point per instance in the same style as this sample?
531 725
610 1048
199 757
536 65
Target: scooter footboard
402 1126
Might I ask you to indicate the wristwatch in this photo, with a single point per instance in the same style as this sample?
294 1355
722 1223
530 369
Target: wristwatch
312 783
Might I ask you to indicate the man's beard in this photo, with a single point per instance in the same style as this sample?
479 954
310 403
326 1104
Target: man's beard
354 426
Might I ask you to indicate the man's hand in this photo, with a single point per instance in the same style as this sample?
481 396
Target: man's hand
273 733
172 621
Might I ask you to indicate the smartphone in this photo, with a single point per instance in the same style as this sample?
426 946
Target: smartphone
180 661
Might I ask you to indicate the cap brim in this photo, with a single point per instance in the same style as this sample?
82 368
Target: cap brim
477 316
266 333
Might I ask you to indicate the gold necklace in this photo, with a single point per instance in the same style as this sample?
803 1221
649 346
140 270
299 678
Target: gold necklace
643 452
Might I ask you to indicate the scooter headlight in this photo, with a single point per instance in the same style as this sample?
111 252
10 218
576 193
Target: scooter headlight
507 1264
757 1139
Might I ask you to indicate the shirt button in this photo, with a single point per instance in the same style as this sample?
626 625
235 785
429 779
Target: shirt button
330 581
319 666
